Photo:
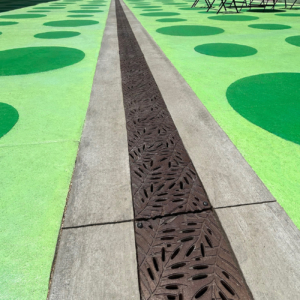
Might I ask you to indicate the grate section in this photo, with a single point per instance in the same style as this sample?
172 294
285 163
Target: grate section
186 257
182 251
163 178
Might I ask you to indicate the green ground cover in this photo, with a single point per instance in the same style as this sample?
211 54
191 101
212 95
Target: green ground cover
245 69
47 64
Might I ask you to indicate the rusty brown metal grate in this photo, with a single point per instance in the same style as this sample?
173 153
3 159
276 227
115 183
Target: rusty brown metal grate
183 254
186 257
163 178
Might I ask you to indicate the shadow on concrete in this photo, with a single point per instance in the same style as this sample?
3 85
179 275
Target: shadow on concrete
9 5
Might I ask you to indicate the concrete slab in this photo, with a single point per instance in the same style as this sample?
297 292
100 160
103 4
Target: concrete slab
96 262
227 177
100 190
267 246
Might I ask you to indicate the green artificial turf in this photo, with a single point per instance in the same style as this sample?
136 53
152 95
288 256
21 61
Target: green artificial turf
46 74
245 69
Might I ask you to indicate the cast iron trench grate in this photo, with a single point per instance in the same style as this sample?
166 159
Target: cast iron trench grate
183 253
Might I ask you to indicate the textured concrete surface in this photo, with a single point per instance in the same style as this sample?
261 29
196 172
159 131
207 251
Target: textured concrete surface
227 177
101 182
267 246
96 262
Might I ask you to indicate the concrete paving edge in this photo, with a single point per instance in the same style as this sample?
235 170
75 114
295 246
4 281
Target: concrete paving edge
264 239
96 255
101 190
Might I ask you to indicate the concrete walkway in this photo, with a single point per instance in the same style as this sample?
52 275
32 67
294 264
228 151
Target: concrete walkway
96 257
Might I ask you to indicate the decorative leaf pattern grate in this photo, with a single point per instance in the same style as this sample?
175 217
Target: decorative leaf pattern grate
187 257
182 251
164 180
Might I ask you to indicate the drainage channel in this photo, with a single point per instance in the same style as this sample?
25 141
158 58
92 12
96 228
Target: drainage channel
183 253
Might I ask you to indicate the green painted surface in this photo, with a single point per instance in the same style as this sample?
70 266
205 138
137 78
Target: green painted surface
7 23
272 150
22 16
71 23
80 16
225 50
152 9
270 26
288 15
41 119
8 118
160 14
30 60
171 20
236 18
57 34
87 11
271 101
293 40
190 30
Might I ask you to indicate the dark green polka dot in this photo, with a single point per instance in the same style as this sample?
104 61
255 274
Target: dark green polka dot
265 11
269 26
79 16
269 101
192 9
225 50
160 14
174 3
30 60
233 18
22 16
171 20
71 23
57 34
288 15
293 40
190 30
39 11
88 11
146 6
8 118
8 23
206 12
152 9
48 7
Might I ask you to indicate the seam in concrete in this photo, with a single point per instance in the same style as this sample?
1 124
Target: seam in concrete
98 224
246 204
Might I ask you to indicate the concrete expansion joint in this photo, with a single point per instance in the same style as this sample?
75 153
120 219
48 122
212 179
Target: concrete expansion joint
245 204
98 224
